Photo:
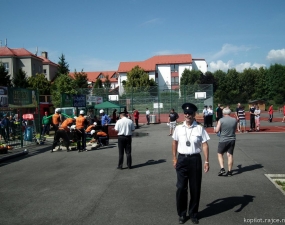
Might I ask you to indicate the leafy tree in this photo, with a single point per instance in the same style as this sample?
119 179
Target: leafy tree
107 83
63 67
275 80
247 84
62 84
39 82
20 79
4 77
260 85
190 77
137 78
81 82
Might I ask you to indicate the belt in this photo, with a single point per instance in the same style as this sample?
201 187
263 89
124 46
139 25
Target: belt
188 155
125 135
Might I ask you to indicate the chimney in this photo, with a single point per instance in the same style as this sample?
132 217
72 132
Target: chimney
45 55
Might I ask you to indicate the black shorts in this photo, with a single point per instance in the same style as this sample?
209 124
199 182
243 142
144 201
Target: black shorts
227 146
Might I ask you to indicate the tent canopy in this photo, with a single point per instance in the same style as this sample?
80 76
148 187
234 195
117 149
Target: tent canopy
108 105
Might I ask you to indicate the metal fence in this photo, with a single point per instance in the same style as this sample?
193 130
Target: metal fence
160 99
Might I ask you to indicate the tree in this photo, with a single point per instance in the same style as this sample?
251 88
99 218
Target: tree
107 83
190 77
39 82
4 77
62 84
137 78
20 79
63 67
81 82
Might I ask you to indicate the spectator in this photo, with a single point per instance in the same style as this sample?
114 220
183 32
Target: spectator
46 123
252 117
270 112
136 117
210 116
172 120
257 118
242 121
147 115
237 109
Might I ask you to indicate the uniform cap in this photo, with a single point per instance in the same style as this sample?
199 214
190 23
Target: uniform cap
189 108
81 112
58 110
93 132
101 111
95 123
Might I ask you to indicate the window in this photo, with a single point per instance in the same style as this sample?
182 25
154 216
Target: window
115 76
45 71
174 80
6 66
174 67
101 76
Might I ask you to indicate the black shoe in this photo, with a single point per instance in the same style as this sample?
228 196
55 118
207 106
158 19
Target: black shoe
51 151
119 168
222 171
182 219
129 167
230 173
194 220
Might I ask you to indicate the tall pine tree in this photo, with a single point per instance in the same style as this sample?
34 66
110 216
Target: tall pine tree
20 80
4 77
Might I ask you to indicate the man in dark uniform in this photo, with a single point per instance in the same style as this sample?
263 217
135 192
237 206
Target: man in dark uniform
189 139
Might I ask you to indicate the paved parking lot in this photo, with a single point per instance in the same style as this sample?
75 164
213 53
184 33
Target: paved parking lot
86 188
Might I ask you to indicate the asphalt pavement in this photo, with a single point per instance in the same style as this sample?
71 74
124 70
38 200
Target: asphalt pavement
86 188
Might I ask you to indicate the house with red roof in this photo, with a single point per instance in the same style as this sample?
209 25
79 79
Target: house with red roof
165 70
14 59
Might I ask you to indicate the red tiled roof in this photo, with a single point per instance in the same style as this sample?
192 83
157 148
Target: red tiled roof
47 61
5 51
93 76
150 64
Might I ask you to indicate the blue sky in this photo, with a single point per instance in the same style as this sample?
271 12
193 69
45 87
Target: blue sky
97 35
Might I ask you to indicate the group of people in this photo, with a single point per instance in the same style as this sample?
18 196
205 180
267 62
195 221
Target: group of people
77 128
254 118
208 116
7 127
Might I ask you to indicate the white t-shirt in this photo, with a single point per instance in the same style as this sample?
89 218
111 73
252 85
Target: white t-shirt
196 134
124 126
210 112
147 112
257 113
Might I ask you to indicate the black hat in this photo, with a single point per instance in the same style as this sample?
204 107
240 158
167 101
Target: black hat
189 108
205 106
125 112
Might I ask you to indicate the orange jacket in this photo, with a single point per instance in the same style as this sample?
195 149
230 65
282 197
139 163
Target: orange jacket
89 128
56 119
66 123
101 133
80 122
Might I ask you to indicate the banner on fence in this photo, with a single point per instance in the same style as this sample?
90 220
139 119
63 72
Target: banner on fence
3 96
79 101
22 98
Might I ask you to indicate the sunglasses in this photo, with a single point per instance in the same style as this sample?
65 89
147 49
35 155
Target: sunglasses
192 113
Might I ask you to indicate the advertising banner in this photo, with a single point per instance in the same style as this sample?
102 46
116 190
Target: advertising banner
79 101
22 98
3 97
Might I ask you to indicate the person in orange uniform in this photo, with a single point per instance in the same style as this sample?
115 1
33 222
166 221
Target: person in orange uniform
63 132
90 128
56 120
81 123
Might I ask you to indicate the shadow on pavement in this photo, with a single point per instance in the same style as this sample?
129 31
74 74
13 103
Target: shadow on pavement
224 204
149 163
246 168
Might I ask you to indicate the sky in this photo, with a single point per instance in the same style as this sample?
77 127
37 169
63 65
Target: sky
97 35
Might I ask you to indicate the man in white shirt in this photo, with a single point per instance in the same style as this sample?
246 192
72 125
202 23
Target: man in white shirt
147 114
125 128
189 139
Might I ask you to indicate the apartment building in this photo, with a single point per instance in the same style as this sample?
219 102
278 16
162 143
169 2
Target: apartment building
20 58
165 70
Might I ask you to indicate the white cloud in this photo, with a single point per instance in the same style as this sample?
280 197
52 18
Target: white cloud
220 65
230 49
224 66
276 56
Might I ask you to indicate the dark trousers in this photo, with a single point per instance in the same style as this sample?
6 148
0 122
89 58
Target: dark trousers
252 122
209 120
147 119
81 137
205 121
125 146
270 117
45 129
61 134
189 171
137 123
